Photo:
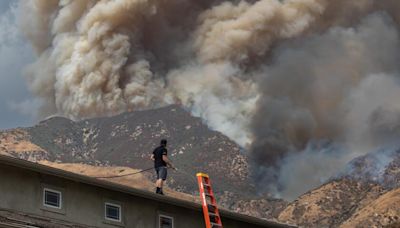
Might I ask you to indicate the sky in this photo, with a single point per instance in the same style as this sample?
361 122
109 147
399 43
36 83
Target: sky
16 108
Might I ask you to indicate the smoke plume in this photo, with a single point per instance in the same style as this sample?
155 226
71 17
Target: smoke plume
304 85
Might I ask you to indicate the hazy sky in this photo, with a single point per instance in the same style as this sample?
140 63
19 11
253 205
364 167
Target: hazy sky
15 52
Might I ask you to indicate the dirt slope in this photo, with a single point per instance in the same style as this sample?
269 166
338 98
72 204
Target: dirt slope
17 143
383 211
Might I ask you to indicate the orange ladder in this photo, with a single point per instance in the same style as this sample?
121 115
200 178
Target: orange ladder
210 209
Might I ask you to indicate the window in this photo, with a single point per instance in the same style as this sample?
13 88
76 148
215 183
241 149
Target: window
165 221
52 198
113 212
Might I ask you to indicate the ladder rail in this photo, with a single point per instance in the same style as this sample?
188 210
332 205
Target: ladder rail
210 209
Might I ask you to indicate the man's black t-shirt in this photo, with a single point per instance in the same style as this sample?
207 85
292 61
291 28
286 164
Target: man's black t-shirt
158 154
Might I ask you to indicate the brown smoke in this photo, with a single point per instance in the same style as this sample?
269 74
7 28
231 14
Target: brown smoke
277 76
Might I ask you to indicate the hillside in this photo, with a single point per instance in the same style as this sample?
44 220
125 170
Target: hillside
345 203
331 204
383 211
366 196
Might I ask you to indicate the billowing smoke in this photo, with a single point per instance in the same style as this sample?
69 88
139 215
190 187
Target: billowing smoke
304 85
339 86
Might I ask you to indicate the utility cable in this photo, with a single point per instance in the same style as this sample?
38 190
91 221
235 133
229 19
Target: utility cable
124 175
128 174
192 178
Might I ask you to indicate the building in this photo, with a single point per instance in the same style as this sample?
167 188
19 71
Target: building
34 195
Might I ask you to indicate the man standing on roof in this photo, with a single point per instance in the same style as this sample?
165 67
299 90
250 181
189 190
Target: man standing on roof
161 162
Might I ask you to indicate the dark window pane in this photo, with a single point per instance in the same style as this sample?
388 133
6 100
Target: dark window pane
165 222
52 198
112 212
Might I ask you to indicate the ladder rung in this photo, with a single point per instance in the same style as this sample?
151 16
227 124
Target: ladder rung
211 208
215 224
209 195
213 214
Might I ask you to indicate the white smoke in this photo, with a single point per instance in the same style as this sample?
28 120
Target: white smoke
275 76
217 94
231 31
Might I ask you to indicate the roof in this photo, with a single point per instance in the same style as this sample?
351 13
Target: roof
27 165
